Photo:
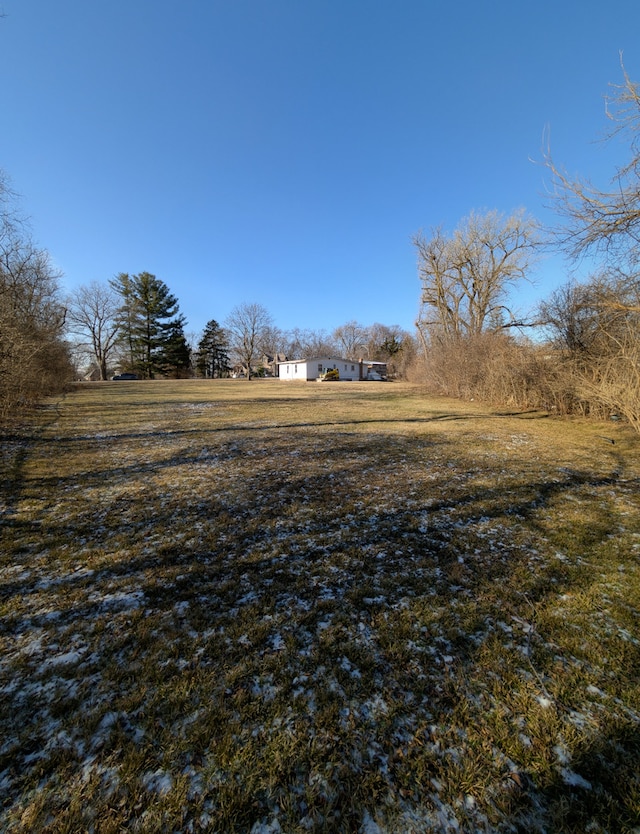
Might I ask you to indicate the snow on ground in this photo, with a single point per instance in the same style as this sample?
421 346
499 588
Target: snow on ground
258 592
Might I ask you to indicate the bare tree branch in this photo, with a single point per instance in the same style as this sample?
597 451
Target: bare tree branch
92 316
247 326
465 276
603 221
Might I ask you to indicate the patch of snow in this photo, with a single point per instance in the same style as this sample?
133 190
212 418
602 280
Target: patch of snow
266 689
347 666
123 600
562 754
369 825
33 646
272 827
570 777
64 658
376 706
158 781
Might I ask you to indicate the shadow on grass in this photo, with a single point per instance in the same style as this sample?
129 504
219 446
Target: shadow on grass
598 791
262 425
374 570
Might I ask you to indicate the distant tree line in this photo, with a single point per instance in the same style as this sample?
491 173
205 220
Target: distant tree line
133 324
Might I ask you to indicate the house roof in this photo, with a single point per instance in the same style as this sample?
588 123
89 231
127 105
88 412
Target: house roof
315 359
331 359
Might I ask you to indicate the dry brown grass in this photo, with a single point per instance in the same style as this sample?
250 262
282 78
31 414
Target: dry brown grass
275 607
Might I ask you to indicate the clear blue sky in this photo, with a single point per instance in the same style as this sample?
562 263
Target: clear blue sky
285 151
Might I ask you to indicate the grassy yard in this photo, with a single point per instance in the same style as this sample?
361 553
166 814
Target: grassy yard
265 607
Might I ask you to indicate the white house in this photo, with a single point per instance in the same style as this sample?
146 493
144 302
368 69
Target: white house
348 369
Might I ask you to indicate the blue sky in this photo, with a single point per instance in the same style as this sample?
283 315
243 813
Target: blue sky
285 151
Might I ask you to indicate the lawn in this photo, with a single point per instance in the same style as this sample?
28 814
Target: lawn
269 608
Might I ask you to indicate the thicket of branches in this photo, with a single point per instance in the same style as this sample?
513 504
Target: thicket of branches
594 329
589 360
496 368
34 357
596 325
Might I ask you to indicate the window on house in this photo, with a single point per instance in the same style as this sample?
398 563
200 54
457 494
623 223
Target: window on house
320 367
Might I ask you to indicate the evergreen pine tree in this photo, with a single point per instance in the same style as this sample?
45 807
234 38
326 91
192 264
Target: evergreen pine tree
213 352
174 357
149 320
124 319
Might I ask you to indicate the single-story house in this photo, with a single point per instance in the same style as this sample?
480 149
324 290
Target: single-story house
315 368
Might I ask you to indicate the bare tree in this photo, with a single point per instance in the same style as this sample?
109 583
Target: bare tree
34 359
92 316
604 221
301 343
465 276
567 321
247 327
598 323
351 339
273 341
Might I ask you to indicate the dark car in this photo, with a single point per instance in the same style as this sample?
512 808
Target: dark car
125 376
